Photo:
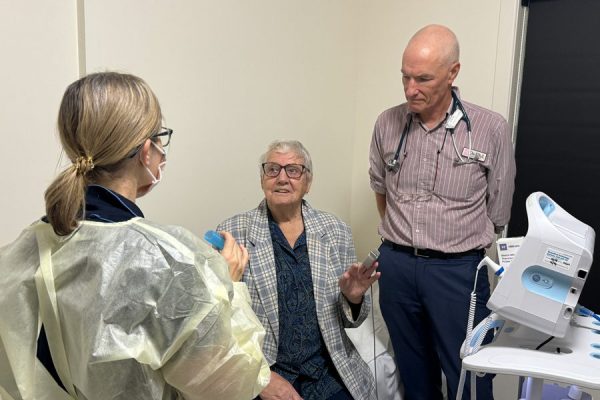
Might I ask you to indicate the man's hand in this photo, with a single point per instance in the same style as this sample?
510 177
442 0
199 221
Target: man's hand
381 202
357 279
279 389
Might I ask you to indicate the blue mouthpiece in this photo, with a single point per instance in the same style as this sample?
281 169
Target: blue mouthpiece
215 239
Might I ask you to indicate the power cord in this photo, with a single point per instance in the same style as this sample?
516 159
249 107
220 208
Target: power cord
486 324
545 342
587 312
374 341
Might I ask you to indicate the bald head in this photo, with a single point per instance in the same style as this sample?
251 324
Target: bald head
436 42
429 66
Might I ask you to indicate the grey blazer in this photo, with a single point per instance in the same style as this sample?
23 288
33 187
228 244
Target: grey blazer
330 251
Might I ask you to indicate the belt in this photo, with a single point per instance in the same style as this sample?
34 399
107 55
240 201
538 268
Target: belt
427 253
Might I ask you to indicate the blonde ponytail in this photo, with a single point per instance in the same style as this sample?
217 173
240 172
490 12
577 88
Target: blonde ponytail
65 201
102 118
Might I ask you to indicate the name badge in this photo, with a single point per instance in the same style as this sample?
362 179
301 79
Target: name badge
474 155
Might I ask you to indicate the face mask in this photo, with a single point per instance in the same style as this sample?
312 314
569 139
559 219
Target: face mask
161 167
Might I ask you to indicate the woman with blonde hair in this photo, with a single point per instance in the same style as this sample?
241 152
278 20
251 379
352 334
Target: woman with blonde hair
106 304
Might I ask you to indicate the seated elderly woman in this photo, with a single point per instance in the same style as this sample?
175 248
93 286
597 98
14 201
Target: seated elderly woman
305 284
129 309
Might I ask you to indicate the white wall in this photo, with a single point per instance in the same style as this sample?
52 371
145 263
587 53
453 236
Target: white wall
231 78
38 43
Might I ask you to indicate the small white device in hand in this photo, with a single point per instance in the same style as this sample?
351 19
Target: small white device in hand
371 258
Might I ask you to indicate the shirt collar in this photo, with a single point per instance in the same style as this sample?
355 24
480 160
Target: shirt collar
415 116
278 237
105 205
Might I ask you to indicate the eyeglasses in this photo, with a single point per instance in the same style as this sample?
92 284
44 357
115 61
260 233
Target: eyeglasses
163 137
293 171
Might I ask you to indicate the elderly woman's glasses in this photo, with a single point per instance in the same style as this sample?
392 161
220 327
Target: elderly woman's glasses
293 171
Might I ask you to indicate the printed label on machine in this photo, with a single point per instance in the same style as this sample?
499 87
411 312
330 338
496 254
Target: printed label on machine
507 249
558 258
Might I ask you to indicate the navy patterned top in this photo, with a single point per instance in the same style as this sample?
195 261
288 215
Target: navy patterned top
302 357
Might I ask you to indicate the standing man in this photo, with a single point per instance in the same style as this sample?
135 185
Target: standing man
443 174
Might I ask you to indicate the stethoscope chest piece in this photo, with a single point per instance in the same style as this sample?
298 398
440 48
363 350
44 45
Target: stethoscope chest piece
393 165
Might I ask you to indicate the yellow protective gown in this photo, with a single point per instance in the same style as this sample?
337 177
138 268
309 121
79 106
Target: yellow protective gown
132 310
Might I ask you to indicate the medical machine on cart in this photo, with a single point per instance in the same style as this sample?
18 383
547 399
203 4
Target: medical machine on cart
540 330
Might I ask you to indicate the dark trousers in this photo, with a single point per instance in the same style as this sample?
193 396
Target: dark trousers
425 304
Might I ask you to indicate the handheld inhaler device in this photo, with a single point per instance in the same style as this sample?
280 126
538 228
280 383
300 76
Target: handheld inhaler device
542 284
215 239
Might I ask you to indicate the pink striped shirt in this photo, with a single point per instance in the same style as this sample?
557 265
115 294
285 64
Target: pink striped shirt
432 202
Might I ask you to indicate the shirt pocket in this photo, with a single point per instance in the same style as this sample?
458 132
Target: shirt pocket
459 181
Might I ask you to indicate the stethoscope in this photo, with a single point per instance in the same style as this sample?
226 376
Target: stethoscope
458 114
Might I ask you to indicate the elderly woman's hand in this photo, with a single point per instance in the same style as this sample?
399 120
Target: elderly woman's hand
356 280
236 256
279 389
